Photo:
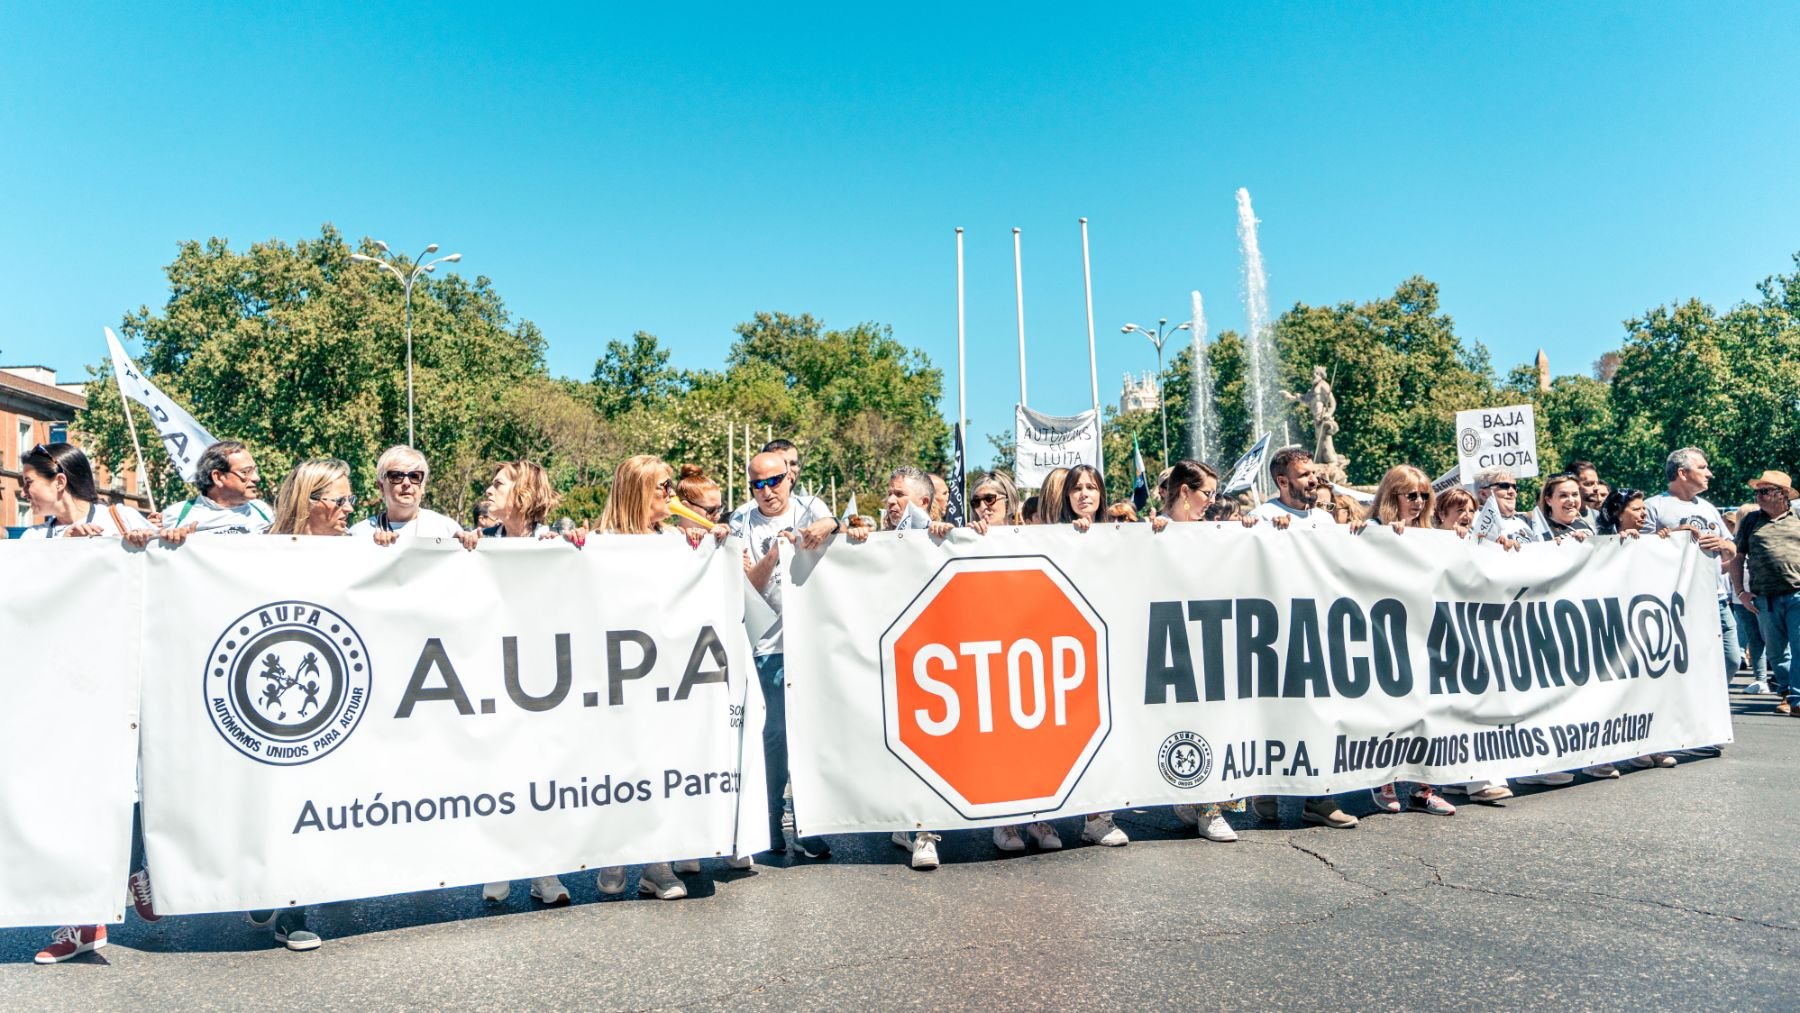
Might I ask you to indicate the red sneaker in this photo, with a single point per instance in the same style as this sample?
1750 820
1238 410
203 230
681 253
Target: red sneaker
139 889
70 940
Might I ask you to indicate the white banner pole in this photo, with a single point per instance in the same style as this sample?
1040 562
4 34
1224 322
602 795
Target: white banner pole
131 424
1019 298
962 408
1087 280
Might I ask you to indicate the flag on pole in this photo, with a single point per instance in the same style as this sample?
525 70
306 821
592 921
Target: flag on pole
955 509
1244 472
850 509
1140 483
181 435
1487 524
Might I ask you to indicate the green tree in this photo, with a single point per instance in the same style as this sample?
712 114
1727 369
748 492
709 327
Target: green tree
635 375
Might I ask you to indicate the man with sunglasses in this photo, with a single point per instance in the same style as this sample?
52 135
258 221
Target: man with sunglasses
1768 545
401 475
227 478
776 513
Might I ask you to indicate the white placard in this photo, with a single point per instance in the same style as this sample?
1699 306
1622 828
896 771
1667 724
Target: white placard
1045 443
1042 672
1496 438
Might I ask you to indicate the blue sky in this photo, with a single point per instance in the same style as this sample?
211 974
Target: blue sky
1555 169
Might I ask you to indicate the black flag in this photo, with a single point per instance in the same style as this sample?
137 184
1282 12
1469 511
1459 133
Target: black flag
954 511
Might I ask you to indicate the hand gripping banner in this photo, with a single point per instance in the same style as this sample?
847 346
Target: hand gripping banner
1044 672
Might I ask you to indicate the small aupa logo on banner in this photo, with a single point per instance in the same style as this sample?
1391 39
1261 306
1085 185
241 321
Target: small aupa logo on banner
1185 760
288 682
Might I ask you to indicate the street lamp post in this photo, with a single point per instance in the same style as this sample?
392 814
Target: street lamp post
1161 334
406 278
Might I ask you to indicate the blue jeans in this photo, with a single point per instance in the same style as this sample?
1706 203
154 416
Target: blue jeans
1728 633
1780 619
1750 639
771 671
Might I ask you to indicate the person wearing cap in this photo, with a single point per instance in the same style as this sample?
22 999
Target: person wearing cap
1768 545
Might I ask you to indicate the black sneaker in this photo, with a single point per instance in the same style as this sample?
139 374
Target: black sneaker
810 847
291 931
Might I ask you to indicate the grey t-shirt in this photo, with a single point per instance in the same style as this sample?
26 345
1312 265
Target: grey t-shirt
1667 511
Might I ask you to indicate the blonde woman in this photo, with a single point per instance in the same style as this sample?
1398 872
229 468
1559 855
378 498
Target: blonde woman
519 498
315 499
1051 508
994 502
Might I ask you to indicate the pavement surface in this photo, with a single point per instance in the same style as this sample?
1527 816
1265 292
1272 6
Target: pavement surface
1666 889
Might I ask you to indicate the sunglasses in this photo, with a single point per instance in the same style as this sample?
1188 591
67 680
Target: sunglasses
397 477
341 502
1504 485
44 452
1771 490
1415 496
985 500
666 487
709 512
771 482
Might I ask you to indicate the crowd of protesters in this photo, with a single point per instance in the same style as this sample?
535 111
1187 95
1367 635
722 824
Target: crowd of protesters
1756 549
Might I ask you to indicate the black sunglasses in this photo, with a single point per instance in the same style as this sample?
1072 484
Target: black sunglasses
396 477
1504 485
985 499
1415 496
44 452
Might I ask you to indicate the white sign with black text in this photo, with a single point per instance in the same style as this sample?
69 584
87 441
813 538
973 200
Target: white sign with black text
1496 438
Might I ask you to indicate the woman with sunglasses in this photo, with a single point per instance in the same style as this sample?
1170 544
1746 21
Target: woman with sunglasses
314 499
401 475
58 482
1189 490
699 492
1404 500
638 504
994 503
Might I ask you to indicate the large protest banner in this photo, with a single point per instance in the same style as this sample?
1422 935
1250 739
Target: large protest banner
1044 443
69 618
324 720
1044 672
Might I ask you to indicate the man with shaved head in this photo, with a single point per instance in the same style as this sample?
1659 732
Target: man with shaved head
775 514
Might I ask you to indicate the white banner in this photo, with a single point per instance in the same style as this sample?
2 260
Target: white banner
1047 672
182 437
326 720
1496 438
1048 442
69 616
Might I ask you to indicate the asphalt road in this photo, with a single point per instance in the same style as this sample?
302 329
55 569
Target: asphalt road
1667 889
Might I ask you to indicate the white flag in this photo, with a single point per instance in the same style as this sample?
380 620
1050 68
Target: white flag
182 437
1243 474
1487 522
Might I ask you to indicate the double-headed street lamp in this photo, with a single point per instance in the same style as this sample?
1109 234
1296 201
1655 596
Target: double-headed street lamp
420 266
1160 335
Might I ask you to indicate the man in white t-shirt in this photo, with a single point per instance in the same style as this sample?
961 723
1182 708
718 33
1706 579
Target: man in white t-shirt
227 478
775 515
1689 474
808 505
1293 507
401 474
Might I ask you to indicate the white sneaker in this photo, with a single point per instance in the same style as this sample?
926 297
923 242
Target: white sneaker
1216 829
548 890
611 880
924 850
1044 836
739 862
1188 814
1008 839
1099 829
687 868
659 880
1553 779
1756 687
1603 770
496 893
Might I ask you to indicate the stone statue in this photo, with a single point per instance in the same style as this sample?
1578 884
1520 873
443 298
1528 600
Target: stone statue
1321 403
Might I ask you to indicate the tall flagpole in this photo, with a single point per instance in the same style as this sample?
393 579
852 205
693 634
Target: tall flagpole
1087 280
131 424
730 472
962 409
1019 298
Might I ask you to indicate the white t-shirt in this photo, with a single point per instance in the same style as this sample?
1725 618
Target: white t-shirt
1667 511
248 518
425 524
1270 509
761 535
96 514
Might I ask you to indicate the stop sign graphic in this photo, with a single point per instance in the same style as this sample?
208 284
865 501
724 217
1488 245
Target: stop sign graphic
994 685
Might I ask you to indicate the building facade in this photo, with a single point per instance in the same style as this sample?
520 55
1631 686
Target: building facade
35 409
1139 395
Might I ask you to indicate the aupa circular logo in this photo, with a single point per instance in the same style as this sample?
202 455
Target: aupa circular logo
287 683
1470 441
1184 759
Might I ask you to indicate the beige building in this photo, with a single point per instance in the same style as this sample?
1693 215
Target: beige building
1139 395
35 409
